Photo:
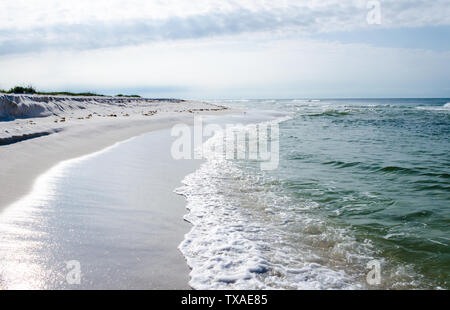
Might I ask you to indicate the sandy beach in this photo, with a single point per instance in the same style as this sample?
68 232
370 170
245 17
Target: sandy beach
31 146
65 128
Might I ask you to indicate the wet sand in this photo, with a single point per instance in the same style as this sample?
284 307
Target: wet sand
27 163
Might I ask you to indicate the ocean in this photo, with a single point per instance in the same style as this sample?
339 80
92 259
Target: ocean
360 183
361 186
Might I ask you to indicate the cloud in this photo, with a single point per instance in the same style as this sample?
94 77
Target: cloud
235 48
134 32
202 19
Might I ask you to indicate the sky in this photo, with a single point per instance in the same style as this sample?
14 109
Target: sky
211 49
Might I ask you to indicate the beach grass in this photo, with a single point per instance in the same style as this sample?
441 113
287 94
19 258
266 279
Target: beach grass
133 96
31 90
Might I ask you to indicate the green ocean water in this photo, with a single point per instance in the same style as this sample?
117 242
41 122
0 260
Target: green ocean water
358 180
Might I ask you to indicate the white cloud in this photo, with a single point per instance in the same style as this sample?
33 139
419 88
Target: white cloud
29 25
216 48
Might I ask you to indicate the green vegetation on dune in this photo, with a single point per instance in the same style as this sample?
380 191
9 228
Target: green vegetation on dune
133 96
33 91
21 90
69 94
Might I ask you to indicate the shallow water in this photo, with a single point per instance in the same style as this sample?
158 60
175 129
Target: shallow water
113 212
358 180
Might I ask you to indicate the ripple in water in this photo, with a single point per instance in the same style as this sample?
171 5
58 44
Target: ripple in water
362 182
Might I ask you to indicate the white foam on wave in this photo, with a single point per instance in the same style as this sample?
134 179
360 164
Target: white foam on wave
242 235
445 107
250 233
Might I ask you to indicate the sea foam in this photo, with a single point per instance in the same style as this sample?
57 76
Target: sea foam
240 234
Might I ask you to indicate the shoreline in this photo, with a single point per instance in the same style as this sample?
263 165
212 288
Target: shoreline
29 159
155 226
77 135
